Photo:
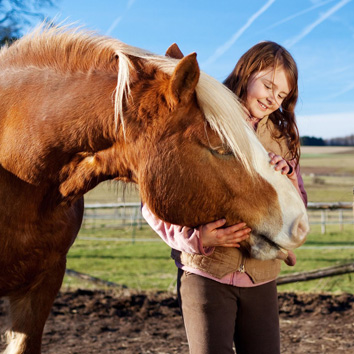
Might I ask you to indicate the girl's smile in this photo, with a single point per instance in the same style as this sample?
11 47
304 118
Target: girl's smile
266 90
262 105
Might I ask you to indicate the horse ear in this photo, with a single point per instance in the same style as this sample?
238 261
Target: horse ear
184 79
174 52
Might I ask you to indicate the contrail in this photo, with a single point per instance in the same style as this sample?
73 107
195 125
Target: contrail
113 25
342 92
119 18
290 42
331 73
130 4
227 45
289 18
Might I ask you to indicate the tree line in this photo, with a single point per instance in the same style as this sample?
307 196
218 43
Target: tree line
313 141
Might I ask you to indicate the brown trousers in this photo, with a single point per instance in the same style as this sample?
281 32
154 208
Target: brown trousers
216 316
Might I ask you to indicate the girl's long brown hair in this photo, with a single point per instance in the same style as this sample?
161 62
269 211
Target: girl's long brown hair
260 57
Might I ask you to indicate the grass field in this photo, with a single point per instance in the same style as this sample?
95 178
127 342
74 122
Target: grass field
328 173
147 265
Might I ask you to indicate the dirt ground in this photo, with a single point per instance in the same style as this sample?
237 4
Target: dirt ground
103 322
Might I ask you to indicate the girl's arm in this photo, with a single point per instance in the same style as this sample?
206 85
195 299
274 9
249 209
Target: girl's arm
200 240
181 238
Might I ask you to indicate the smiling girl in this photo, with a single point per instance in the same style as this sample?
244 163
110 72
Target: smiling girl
224 296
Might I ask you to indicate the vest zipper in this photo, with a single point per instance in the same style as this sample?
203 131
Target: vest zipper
241 269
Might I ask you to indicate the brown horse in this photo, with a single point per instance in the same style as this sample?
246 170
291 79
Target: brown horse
77 109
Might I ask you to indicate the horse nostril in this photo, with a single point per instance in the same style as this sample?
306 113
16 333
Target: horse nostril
300 227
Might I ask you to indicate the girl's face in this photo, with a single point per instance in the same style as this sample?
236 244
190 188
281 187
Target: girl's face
266 90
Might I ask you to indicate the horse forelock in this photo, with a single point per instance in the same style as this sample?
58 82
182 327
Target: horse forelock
71 50
225 114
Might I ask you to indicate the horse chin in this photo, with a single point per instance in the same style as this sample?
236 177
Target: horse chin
260 247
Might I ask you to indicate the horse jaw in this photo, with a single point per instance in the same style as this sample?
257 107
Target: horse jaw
264 243
265 246
295 220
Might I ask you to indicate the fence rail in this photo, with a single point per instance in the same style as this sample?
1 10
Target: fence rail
120 215
339 213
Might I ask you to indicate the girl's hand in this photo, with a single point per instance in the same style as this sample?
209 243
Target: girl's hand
279 163
212 235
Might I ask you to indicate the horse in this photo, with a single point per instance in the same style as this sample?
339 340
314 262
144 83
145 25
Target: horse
77 109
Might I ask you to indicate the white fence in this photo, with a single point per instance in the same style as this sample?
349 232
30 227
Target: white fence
120 215
324 214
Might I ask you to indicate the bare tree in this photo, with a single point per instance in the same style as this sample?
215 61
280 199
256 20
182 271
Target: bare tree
15 14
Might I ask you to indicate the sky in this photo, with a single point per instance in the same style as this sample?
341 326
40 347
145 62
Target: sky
318 33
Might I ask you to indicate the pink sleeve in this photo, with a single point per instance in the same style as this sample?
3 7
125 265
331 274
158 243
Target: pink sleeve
181 238
296 179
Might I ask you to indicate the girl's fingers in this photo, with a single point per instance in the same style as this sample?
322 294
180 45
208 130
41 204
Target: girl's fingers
230 230
281 165
285 170
276 159
215 224
214 235
236 245
234 228
236 237
234 231
242 234
233 243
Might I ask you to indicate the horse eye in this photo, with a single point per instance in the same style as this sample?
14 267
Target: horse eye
223 150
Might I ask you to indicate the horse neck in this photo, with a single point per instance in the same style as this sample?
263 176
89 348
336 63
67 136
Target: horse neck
85 117
50 117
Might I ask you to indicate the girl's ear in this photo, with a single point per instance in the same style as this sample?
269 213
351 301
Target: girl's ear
184 80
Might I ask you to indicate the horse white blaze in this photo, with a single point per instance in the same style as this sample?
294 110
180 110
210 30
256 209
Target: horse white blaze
295 221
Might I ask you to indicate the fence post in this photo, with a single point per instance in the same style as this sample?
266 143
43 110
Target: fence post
341 219
323 221
134 224
94 219
353 206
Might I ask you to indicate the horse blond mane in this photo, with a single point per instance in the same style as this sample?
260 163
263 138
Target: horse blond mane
70 50
221 107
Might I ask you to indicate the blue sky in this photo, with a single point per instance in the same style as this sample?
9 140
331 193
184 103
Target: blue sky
318 33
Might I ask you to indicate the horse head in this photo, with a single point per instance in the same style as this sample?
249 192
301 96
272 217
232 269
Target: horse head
191 176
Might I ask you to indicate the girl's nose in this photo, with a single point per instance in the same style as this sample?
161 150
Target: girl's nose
272 101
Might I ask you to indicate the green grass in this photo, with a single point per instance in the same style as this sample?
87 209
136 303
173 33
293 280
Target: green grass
309 258
328 177
113 192
139 265
340 162
327 161
148 266
329 188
